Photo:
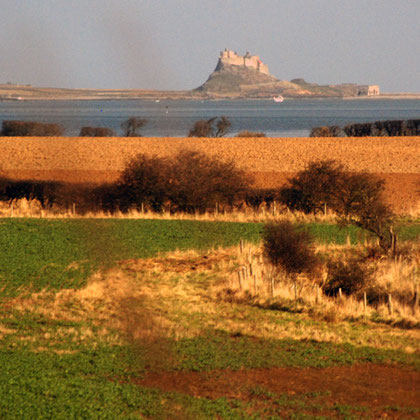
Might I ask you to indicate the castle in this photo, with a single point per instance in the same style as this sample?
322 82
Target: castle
252 61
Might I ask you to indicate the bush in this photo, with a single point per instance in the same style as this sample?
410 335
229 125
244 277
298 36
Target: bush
205 128
189 182
144 182
325 131
96 132
351 276
247 133
255 197
311 189
31 128
200 182
359 130
132 126
290 248
356 198
46 192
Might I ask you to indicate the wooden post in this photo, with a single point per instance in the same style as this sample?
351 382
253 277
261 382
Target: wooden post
272 286
325 209
240 279
340 293
274 208
295 287
241 246
390 307
142 208
74 208
245 274
317 295
364 302
415 301
11 209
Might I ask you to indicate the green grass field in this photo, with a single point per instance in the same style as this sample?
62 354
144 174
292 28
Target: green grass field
63 253
58 362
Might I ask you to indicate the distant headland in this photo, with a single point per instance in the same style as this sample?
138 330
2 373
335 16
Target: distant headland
235 77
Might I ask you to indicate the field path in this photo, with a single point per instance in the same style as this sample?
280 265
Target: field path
372 386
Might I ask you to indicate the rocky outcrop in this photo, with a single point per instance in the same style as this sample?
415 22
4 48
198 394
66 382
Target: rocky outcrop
247 77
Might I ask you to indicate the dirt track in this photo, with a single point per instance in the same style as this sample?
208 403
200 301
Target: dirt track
372 386
270 159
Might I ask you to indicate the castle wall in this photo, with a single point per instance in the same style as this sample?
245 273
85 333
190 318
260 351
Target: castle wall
252 61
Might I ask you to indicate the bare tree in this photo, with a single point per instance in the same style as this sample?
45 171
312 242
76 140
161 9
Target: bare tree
132 126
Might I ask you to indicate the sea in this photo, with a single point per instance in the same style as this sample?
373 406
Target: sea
174 118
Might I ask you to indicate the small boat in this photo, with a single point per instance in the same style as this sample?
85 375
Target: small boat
278 98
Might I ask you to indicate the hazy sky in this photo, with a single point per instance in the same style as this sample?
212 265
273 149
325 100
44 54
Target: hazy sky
175 44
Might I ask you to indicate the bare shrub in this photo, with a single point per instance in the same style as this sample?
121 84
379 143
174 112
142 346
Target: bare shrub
222 126
326 131
359 130
256 197
202 128
144 182
290 248
246 133
199 182
96 132
357 199
31 129
205 128
361 203
45 192
351 276
132 126
311 189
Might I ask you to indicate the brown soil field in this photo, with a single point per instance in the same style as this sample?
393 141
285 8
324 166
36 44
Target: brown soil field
372 386
270 160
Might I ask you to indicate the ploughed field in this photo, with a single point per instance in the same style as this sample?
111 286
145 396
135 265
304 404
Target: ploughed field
270 160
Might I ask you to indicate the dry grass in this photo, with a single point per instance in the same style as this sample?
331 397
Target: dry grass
32 208
183 294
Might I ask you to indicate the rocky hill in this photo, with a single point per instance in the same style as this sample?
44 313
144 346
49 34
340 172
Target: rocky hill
247 77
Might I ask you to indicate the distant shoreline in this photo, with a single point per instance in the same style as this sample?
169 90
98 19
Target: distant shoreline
30 93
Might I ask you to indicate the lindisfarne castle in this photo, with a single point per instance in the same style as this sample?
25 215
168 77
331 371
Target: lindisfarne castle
251 61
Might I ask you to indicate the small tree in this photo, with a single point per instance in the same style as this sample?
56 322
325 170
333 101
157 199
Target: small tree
132 126
144 182
314 187
202 128
290 248
205 128
356 198
31 128
199 182
222 125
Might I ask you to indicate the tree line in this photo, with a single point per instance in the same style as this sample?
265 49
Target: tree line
389 128
195 182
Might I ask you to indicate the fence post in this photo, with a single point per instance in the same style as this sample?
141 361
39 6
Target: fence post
74 208
364 302
240 279
340 293
272 286
415 301
241 246
11 209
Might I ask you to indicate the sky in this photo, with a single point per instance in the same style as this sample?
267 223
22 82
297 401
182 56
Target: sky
175 44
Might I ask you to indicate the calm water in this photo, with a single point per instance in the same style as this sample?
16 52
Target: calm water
168 118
